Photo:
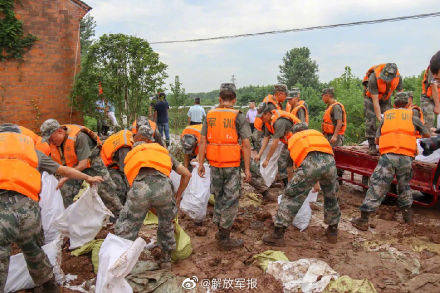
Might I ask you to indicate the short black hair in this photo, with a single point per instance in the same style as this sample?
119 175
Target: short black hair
252 101
400 104
434 64
161 94
197 100
227 95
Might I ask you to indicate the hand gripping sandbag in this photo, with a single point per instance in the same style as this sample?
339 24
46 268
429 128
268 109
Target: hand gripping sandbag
302 218
51 204
270 172
175 178
117 258
83 219
196 195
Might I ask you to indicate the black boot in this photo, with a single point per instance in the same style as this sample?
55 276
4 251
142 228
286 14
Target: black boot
226 242
362 222
407 214
332 233
276 238
167 142
285 181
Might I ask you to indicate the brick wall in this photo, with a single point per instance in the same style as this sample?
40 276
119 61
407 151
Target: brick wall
38 87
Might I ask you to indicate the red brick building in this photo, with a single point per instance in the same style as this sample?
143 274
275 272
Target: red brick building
38 87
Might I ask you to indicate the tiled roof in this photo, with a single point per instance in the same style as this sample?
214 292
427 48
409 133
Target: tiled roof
82 4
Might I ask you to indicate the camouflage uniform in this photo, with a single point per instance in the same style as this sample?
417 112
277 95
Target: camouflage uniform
256 138
427 105
257 181
336 115
20 222
122 186
319 167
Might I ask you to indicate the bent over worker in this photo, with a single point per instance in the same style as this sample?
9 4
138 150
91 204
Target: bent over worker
296 106
379 82
313 155
20 219
398 147
189 140
78 147
223 128
147 168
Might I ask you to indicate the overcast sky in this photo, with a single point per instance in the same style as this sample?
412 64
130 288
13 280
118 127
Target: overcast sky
254 61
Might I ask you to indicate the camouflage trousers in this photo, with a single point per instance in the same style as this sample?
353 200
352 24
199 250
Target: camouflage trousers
315 167
256 138
106 189
427 106
380 181
226 187
121 183
20 222
284 161
370 116
147 192
339 142
257 181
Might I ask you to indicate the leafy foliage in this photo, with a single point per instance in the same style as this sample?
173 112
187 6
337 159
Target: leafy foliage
87 32
13 42
177 96
129 71
299 68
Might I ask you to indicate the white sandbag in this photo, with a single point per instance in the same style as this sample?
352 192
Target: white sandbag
302 218
270 172
196 195
52 206
18 273
83 219
303 275
117 258
432 158
175 178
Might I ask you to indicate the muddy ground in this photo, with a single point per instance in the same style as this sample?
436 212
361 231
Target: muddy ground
395 257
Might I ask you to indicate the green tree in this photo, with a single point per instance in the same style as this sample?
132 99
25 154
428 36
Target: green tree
299 68
87 32
177 96
129 71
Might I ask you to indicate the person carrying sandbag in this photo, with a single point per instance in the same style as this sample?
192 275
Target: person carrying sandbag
20 185
147 167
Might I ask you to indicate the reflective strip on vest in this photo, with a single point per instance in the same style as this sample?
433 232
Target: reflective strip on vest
222 149
306 141
398 133
147 155
327 123
113 143
18 165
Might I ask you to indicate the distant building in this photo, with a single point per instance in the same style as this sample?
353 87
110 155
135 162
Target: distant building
38 87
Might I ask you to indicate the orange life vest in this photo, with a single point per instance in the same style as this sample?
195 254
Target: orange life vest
398 134
147 155
427 88
195 130
222 149
69 153
301 105
272 100
258 124
277 114
152 125
18 165
113 143
288 107
39 144
381 84
306 141
327 124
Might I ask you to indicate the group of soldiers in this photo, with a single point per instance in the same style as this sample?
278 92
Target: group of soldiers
132 167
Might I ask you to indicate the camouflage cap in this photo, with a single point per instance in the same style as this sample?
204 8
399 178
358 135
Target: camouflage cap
401 98
294 92
227 87
263 108
9 127
142 120
146 131
280 88
300 127
189 143
410 94
388 72
328 91
48 127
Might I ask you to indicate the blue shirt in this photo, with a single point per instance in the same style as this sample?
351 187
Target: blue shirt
196 113
161 108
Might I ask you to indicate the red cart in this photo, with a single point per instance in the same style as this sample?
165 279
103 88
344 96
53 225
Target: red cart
356 160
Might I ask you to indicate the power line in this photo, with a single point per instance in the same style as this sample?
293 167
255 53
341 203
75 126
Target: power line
320 27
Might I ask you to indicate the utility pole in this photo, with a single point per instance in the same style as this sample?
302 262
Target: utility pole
233 79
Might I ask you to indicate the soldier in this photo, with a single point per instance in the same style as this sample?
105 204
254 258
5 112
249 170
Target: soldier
78 147
147 168
189 140
40 145
397 145
313 156
379 82
296 106
20 220
429 100
143 120
221 132
278 124
257 134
